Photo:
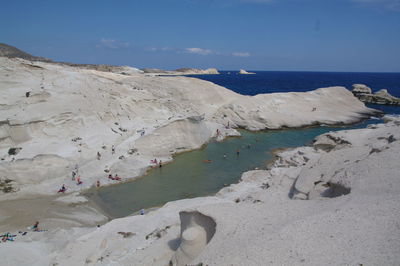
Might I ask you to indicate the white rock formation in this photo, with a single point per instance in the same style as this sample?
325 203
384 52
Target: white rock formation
256 222
73 113
244 72
361 88
364 94
196 232
181 71
196 71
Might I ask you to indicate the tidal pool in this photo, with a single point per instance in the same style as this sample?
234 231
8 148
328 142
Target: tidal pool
190 176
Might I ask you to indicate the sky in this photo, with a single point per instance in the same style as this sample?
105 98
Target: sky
273 35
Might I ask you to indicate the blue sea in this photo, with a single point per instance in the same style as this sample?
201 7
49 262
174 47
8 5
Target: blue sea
284 81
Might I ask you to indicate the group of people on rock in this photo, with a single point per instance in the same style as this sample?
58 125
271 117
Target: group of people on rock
63 188
112 152
157 162
116 177
10 237
76 177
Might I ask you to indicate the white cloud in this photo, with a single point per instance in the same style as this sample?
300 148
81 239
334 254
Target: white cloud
112 44
393 5
241 54
199 51
234 1
158 49
256 1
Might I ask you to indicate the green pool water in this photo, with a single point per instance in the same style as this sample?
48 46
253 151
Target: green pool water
189 176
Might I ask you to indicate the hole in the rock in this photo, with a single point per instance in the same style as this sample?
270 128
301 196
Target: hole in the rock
189 219
335 190
174 243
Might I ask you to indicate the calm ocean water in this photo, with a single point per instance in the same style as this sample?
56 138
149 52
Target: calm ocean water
280 81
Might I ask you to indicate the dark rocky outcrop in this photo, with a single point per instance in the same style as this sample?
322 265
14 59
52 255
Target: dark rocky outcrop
364 94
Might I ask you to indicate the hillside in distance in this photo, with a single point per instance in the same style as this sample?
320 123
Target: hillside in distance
12 52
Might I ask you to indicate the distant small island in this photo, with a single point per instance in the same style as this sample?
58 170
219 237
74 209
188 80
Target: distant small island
181 71
244 72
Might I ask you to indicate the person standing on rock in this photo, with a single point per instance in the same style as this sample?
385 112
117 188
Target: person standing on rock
35 227
98 156
112 149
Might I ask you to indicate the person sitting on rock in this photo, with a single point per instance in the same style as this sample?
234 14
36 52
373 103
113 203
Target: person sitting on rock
78 180
110 177
62 189
116 177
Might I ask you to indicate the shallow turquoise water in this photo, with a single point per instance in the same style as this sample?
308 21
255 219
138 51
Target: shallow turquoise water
189 176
